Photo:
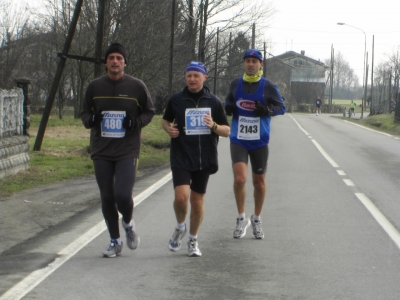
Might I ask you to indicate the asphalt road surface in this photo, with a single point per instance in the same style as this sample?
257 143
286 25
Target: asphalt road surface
331 221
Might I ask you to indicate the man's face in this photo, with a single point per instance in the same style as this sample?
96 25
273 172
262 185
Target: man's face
252 65
195 80
115 63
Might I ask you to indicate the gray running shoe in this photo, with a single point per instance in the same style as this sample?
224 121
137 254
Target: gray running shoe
241 227
132 238
113 250
193 248
257 230
175 242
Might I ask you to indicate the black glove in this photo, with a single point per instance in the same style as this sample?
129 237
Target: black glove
263 110
96 119
129 122
229 109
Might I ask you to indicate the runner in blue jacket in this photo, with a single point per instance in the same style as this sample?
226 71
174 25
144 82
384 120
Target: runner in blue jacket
252 100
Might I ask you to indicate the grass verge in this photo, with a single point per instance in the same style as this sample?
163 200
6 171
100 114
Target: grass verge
64 155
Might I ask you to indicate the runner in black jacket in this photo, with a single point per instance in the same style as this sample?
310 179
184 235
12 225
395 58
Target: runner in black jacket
194 119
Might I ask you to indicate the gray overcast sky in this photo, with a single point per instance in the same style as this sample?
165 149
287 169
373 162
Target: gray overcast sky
311 25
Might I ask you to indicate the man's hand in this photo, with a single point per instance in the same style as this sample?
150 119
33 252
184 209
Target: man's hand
229 109
263 110
129 122
96 119
173 131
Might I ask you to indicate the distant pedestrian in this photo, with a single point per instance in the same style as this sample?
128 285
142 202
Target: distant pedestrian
116 107
318 104
194 119
352 107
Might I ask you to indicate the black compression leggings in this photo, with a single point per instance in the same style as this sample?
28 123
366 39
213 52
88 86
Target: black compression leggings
115 180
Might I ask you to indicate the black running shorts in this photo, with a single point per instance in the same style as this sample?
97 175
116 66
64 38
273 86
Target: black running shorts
197 180
258 157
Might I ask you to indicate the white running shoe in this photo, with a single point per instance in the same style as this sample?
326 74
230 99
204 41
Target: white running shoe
175 242
257 230
113 250
193 248
241 227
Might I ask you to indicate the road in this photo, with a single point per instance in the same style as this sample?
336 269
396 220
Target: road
331 222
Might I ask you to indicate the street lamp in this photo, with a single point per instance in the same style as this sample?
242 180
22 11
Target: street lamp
365 54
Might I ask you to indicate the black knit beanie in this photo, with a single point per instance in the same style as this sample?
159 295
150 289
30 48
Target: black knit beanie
116 47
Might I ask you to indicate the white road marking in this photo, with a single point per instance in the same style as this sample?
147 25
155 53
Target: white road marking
36 277
375 212
324 154
389 135
348 182
380 218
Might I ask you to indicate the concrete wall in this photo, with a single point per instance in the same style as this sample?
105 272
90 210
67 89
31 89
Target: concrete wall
14 147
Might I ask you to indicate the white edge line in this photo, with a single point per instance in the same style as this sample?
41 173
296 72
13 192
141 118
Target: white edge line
380 218
301 128
327 157
370 129
36 277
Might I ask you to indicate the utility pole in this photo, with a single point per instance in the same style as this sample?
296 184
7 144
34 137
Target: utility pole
372 74
56 81
99 39
216 63
171 49
253 37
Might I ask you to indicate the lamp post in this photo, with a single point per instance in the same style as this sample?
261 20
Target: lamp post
365 53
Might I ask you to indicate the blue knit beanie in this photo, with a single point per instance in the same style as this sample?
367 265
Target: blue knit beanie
196 66
253 53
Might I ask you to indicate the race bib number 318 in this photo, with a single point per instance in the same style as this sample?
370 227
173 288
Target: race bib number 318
111 126
194 121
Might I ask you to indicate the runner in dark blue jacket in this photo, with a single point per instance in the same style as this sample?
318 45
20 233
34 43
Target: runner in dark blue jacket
194 119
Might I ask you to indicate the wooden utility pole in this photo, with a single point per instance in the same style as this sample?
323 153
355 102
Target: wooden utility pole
216 63
171 49
99 39
56 81
253 37
372 74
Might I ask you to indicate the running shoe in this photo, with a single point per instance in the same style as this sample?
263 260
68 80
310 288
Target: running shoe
193 248
113 250
132 238
175 242
241 227
257 230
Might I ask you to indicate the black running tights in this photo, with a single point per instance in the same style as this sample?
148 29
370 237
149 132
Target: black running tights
115 180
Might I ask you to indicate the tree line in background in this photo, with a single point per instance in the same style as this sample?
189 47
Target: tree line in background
31 40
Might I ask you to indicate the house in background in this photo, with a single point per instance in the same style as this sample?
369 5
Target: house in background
301 79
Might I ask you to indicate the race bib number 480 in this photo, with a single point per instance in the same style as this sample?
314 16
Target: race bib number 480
248 128
194 121
111 126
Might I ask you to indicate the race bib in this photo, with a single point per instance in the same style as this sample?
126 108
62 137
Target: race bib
248 128
194 121
111 126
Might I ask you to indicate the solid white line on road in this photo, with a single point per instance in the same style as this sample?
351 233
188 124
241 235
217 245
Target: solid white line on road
33 279
341 172
327 157
389 135
349 182
380 218
302 129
